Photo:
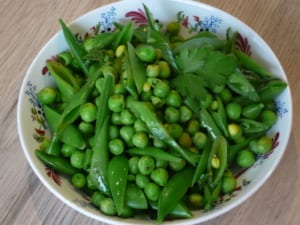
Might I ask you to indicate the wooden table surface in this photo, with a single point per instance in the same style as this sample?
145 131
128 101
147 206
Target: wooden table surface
25 26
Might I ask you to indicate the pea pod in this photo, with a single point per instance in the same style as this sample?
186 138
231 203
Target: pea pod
101 41
252 111
57 163
220 117
154 152
271 90
180 210
135 197
252 126
117 172
209 124
144 112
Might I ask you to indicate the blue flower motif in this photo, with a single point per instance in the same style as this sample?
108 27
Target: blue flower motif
31 92
211 23
107 20
281 108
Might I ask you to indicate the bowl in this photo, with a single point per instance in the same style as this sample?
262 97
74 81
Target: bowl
194 17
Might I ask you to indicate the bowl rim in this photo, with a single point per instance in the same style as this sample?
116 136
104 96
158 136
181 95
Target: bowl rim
117 220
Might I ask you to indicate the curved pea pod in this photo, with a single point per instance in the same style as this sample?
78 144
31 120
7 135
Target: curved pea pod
271 90
180 210
135 197
117 173
100 41
57 163
66 89
220 117
252 111
209 124
173 191
154 152
252 126
247 62
145 112
219 150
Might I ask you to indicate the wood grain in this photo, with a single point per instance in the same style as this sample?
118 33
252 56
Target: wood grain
25 26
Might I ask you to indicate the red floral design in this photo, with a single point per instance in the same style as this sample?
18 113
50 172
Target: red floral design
185 22
243 44
138 17
54 175
197 18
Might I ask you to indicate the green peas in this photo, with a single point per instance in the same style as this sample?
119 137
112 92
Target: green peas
68 150
173 99
185 140
47 95
195 201
235 131
141 180
262 145
173 28
193 126
99 84
152 191
116 103
127 118
177 166
116 118
139 125
228 184
86 128
78 180
172 115
88 112
146 165
233 110
133 165
160 176
199 139
152 70
107 206
174 129
268 117
161 89
185 113
77 159
245 158
146 53
116 146
140 139
165 70
126 133
97 197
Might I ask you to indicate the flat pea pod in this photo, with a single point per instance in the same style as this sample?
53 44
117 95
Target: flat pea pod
57 163
145 112
180 210
173 191
250 126
117 173
220 117
271 90
157 153
252 111
209 124
135 197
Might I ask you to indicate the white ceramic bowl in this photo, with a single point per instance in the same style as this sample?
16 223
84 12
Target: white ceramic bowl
193 16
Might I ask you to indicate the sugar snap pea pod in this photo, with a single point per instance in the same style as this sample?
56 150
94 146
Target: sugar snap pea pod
136 69
271 90
157 153
66 89
252 126
76 48
117 172
219 150
209 124
65 57
220 117
124 36
247 62
145 112
173 191
238 83
252 111
100 41
180 210
57 163
99 162
135 197
202 164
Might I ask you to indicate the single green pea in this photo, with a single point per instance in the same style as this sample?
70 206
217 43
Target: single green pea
120 89
261 145
114 132
199 139
141 180
127 117
126 133
268 117
139 125
233 110
177 166
160 176
100 84
133 164
116 118
165 70
174 129
174 99
152 191
185 140
140 139
47 95
195 201
152 70
146 53
78 180
228 184
193 126
159 143
185 114
146 164
173 28
161 89
107 206
116 146
68 150
77 159
96 198
235 131
116 103
206 102
88 112
172 114
86 128
245 158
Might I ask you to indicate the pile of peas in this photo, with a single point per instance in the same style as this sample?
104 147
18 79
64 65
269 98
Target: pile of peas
149 162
